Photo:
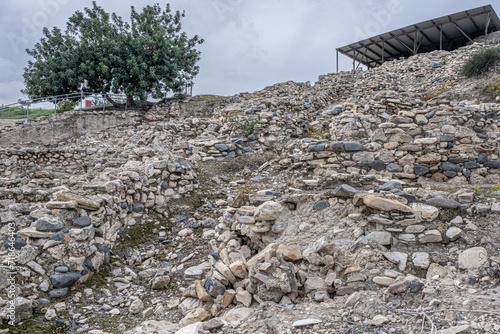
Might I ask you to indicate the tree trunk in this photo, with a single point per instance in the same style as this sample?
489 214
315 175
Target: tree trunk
113 102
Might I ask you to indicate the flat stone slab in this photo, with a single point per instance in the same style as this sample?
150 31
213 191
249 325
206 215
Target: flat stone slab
31 232
441 202
306 322
82 221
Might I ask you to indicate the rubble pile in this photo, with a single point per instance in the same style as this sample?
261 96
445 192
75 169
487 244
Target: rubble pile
367 202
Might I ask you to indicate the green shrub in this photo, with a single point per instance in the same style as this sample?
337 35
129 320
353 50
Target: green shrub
67 105
493 87
247 125
481 61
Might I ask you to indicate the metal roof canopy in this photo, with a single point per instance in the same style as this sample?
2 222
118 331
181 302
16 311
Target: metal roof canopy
445 33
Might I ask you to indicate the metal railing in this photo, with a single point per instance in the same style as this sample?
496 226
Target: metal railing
97 101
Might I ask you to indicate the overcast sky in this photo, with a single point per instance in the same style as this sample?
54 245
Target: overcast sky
249 44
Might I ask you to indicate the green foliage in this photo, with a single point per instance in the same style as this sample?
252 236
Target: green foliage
98 279
170 287
481 61
137 235
487 190
315 133
20 113
247 125
493 87
208 97
147 57
67 105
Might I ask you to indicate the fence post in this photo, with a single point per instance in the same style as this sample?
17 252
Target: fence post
27 113
126 103
55 105
81 99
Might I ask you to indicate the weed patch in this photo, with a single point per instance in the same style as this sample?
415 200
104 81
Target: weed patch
480 62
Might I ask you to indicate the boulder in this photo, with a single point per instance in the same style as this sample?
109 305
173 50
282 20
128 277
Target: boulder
290 252
472 258
268 211
424 212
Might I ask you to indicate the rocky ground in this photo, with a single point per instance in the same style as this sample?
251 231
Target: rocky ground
365 203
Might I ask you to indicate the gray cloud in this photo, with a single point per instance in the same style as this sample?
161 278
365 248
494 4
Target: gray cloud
248 44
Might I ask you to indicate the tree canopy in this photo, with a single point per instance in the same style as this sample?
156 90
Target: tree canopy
99 51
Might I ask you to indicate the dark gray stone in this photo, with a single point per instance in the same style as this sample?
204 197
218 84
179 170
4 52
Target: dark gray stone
231 155
410 198
441 202
353 147
164 185
391 185
457 160
49 224
221 147
59 236
316 148
88 263
375 164
61 269
336 146
64 280
467 173
416 286
66 229
450 173
82 221
17 243
482 158
447 137
430 114
421 170
393 168
344 190
138 207
471 165
99 232
321 205
104 248
43 301
57 293
214 287
492 164
448 166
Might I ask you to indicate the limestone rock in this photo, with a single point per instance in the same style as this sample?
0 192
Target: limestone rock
290 252
424 212
384 204
383 281
421 260
430 236
306 322
197 315
239 269
268 211
136 307
472 258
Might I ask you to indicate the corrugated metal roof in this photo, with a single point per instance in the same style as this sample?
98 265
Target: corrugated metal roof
444 33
